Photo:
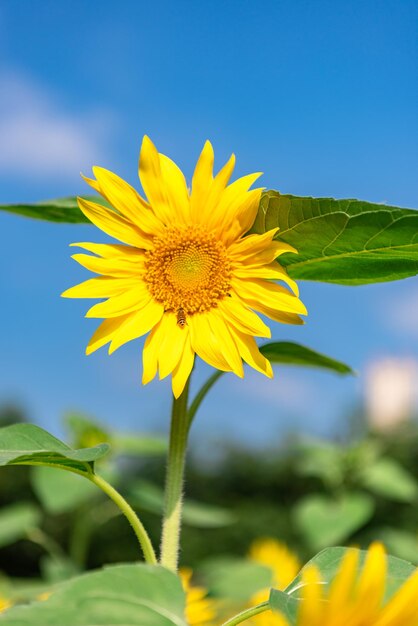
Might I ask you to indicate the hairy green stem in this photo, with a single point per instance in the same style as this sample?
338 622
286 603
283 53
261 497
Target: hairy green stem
242 617
170 542
131 516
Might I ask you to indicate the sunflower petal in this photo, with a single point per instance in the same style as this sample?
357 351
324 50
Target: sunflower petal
183 369
101 287
104 333
249 351
137 324
113 224
130 300
126 200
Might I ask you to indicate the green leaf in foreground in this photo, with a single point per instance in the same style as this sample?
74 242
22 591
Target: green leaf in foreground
349 242
115 596
27 444
285 604
16 520
289 353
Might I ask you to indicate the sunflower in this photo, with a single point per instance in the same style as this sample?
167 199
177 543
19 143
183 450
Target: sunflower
356 598
186 272
284 565
200 610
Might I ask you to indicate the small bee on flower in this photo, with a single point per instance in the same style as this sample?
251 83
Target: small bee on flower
181 318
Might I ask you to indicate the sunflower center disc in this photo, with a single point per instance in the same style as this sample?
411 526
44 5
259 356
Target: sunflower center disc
188 268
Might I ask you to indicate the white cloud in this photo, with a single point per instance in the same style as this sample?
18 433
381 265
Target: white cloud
41 137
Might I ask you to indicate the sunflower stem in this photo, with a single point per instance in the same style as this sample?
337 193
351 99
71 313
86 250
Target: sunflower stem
131 516
170 542
244 615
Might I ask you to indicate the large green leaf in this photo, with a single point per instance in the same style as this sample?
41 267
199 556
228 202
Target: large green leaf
389 479
326 521
289 353
284 604
16 520
64 210
121 595
349 242
27 444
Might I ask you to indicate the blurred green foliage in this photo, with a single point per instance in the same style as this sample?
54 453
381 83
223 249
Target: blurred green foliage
310 494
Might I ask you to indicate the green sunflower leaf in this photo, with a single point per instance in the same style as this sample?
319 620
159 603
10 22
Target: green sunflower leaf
324 520
27 444
289 353
349 242
283 603
118 595
16 520
63 210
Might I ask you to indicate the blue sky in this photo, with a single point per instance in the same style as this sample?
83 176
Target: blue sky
320 96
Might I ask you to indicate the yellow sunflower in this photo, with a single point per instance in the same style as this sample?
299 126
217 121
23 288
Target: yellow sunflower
356 598
200 610
186 271
284 565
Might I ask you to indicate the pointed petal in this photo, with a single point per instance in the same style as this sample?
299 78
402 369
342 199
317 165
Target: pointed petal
224 338
241 317
150 353
249 351
137 324
202 180
183 370
205 344
273 271
257 291
129 266
113 224
102 287
172 345
152 181
131 300
104 333
127 201
176 189
107 250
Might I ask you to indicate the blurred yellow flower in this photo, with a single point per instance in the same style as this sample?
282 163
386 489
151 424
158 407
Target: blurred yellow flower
276 555
188 274
355 598
5 604
284 565
200 610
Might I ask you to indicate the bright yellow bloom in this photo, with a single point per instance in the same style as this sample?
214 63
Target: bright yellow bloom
187 273
5 604
284 565
355 598
200 610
